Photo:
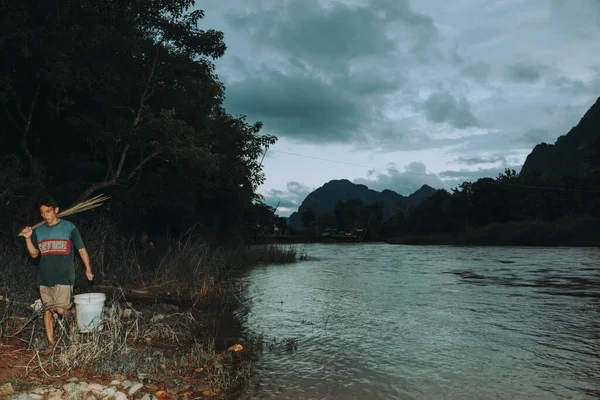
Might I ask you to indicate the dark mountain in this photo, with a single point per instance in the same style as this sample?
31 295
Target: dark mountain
568 155
416 197
325 198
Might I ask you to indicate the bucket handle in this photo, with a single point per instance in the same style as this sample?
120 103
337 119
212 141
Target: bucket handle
90 286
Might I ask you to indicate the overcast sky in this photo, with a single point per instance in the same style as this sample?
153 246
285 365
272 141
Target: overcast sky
397 93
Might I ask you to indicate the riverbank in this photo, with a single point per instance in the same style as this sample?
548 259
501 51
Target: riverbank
302 239
567 233
163 335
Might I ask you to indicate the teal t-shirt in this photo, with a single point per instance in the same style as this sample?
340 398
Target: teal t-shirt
55 243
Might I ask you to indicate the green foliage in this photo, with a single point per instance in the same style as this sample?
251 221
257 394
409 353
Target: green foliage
308 218
122 97
509 209
354 214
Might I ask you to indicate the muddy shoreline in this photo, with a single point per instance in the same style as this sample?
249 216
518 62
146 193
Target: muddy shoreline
181 352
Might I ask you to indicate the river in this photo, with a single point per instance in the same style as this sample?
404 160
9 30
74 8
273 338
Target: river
384 321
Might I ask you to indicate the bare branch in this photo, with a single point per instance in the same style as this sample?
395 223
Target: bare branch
142 163
121 162
146 90
12 119
137 118
94 187
24 145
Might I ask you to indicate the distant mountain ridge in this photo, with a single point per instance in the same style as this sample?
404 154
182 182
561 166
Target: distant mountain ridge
324 199
567 156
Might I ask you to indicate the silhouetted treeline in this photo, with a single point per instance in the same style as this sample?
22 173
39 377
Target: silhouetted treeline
122 98
509 203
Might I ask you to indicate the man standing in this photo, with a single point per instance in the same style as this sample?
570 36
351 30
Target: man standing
54 242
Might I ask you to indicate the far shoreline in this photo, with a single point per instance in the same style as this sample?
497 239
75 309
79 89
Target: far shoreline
566 232
431 240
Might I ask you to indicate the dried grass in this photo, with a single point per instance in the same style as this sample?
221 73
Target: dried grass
189 268
86 205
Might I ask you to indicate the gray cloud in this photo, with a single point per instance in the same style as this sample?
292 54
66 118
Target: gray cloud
572 86
387 76
298 189
524 73
289 200
478 71
324 36
300 106
537 136
404 182
472 175
414 176
284 206
443 107
577 87
474 160
331 70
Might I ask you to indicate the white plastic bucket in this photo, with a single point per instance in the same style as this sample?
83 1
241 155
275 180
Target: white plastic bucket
89 311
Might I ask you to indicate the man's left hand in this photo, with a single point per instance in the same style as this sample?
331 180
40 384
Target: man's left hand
89 274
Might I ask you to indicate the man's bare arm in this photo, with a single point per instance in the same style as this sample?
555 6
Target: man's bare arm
85 257
27 233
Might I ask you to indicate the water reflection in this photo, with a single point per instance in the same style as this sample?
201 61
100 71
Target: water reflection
379 321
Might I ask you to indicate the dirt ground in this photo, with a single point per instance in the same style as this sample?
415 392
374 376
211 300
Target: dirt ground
23 366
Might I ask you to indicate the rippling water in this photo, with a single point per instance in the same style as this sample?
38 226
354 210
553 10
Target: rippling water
403 322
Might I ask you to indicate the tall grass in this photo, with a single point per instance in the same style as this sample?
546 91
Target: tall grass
111 352
187 268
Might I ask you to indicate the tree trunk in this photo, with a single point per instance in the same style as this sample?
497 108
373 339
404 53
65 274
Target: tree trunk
138 116
95 186
24 128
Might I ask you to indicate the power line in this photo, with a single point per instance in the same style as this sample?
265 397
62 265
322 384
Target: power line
351 164
325 159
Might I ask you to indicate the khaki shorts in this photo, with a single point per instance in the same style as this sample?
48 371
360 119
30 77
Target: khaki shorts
56 297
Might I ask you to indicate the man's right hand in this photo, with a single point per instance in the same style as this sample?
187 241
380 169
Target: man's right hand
27 232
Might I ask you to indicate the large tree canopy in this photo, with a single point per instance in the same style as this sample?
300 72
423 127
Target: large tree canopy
122 97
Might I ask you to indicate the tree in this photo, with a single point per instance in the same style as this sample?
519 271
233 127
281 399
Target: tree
123 98
308 217
160 49
326 221
281 224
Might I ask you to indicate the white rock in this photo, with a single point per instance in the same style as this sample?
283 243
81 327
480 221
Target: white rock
69 387
36 396
73 379
126 384
135 388
37 305
21 396
115 382
110 391
39 391
127 313
157 318
83 385
120 396
95 387
6 389
146 397
89 396
55 394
